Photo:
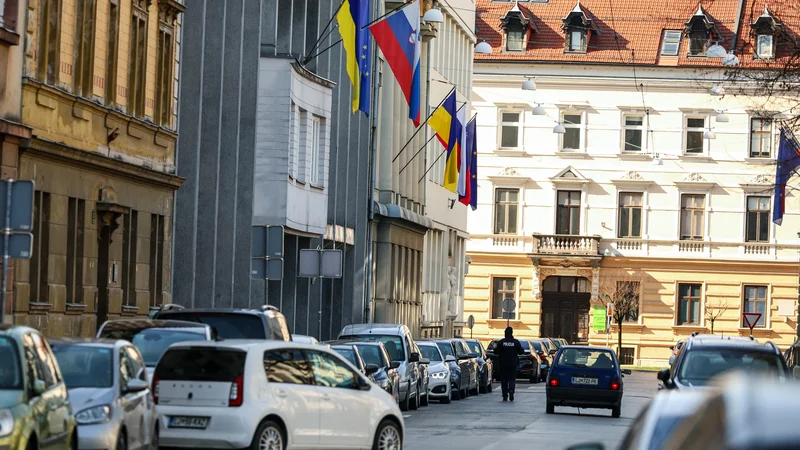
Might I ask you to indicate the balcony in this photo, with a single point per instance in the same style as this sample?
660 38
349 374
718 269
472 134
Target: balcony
565 244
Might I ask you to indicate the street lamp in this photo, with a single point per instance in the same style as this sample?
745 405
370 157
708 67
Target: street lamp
559 129
709 134
730 60
529 85
433 15
722 117
716 51
483 48
539 111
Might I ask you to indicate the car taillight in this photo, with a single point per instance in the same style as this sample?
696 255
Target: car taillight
553 382
237 392
155 389
615 385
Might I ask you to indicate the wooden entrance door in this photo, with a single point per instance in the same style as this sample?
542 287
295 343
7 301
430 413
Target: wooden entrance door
566 315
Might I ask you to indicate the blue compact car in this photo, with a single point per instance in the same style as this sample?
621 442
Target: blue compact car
585 377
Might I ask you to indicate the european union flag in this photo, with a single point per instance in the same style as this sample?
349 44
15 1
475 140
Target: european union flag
360 10
788 162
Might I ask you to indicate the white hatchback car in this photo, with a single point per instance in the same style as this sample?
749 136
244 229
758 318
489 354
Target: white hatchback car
270 395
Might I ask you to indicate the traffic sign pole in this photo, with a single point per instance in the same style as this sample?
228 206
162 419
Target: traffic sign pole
6 233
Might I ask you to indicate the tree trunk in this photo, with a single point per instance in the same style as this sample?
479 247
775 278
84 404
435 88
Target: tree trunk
712 326
619 339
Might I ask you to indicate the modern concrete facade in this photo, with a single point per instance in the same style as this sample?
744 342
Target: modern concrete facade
653 180
99 92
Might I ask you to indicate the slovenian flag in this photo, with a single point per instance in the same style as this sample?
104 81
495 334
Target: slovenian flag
788 162
398 37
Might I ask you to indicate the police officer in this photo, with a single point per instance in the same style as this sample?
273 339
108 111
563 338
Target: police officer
508 351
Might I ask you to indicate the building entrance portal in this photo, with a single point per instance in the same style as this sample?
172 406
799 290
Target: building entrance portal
565 308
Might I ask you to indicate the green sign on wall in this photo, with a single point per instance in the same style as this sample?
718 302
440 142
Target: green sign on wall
599 318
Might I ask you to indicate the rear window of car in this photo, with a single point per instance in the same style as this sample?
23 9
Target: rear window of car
475 347
537 345
446 348
700 366
10 374
526 345
227 325
586 358
430 352
393 344
201 364
349 354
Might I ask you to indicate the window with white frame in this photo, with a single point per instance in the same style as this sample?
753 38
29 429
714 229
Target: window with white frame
630 215
757 221
693 216
689 298
765 47
634 133
315 150
760 138
568 212
576 42
755 301
503 289
694 141
671 43
506 204
572 138
510 129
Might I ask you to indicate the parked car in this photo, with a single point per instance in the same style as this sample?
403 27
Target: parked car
585 377
269 394
168 307
401 348
542 351
264 323
463 352
302 339
153 337
529 364
460 369
438 372
34 406
109 390
351 354
386 377
704 357
560 342
485 365
675 349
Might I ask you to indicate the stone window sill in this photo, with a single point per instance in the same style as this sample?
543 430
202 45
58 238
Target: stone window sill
510 152
75 308
8 37
40 307
697 158
503 321
688 328
128 310
572 155
634 156
759 161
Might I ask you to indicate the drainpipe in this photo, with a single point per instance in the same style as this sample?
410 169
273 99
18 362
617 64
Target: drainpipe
367 299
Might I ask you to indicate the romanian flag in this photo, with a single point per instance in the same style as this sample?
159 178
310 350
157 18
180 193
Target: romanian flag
461 154
349 32
445 123
470 197
788 162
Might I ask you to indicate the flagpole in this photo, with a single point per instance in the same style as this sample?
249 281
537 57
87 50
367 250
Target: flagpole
418 152
434 163
322 51
387 14
321 37
423 123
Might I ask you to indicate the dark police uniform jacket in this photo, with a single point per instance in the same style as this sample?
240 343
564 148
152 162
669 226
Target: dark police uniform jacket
508 351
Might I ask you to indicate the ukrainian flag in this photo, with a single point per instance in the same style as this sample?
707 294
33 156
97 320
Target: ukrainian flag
448 130
347 29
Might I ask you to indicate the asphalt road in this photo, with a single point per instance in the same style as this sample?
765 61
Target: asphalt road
485 422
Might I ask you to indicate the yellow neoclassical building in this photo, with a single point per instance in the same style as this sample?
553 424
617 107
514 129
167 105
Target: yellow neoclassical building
99 91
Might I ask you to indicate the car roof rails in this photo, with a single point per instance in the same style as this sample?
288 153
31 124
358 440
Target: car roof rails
172 307
266 308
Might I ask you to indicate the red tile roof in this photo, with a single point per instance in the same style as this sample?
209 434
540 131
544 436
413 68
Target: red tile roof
636 26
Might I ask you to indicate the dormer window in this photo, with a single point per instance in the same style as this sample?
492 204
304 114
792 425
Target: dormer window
515 37
701 30
765 31
518 26
579 26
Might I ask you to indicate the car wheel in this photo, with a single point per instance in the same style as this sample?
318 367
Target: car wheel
122 441
415 403
154 439
550 408
447 399
269 436
616 411
425 400
388 437
484 387
404 405
490 385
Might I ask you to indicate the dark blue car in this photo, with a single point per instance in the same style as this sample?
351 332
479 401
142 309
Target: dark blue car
585 377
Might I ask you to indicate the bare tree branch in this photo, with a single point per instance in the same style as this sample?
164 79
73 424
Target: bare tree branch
714 310
622 290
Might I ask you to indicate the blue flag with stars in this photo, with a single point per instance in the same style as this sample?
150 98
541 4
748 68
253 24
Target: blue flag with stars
360 10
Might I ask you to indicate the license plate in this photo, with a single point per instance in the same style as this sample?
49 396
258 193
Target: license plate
584 381
188 422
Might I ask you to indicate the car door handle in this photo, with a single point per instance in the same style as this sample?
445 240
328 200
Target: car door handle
282 394
326 397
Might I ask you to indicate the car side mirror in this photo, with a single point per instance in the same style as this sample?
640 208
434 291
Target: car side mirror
663 375
413 357
626 371
450 358
424 361
553 351
371 368
394 364
39 387
590 446
136 385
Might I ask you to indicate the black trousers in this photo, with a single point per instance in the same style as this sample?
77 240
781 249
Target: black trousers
508 385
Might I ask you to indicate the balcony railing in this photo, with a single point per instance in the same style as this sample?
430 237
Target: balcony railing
564 244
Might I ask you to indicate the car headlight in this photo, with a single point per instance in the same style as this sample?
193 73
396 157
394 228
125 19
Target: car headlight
6 422
94 415
439 375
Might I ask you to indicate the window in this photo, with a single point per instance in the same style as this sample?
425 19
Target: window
164 78
566 284
630 290
40 260
84 47
506 203
760 138
568 212
8 14
510 130
137 58
693 210
515 37
47 64
330 371
156 259
757 219
502 289
689 304
287 366
695 129
126 370
315 150
112 44
698 43
130 231
634 133
755 301
630 215
139 367
571 139
576 41
75 216
764 46
672 43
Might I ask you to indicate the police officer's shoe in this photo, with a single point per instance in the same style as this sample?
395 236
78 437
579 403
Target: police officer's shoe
512 396
505 399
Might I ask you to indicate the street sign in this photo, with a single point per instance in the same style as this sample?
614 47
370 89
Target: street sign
509 305
266 252
751 320
20 246
320 263
599 321
610 309
21 203
471 321
266 269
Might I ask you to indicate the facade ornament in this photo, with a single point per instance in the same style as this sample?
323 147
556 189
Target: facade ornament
168 11
762 178
632 175
508 172
566 263
695 177
585 273
544 273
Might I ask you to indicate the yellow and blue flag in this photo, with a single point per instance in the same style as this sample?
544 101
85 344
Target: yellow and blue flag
448 130
353 17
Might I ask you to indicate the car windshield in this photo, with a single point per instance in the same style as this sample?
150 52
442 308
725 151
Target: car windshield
393 344
446 348
586 358
557 343
10 375
430 352
85 366
371 354
664 426
537 345
153 342
475 347
348 354
526 345
700 366
227 325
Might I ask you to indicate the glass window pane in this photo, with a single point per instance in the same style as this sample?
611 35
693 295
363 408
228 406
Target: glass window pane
572 119
575 40
499 220
574 225
550 284
498 284
514 40
624 199
562 197
572 139
510 136
512 219
562 220
568 284
633 140
697 225
695 290
755 141
752 202
682 310
762 292
694 142
509 284
624 222
685 222
636 222
512 195
510 117
766 143
574 198
634 120
763 203
751 226
584 285
695 311
755 124
636 199
763 227
695 123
